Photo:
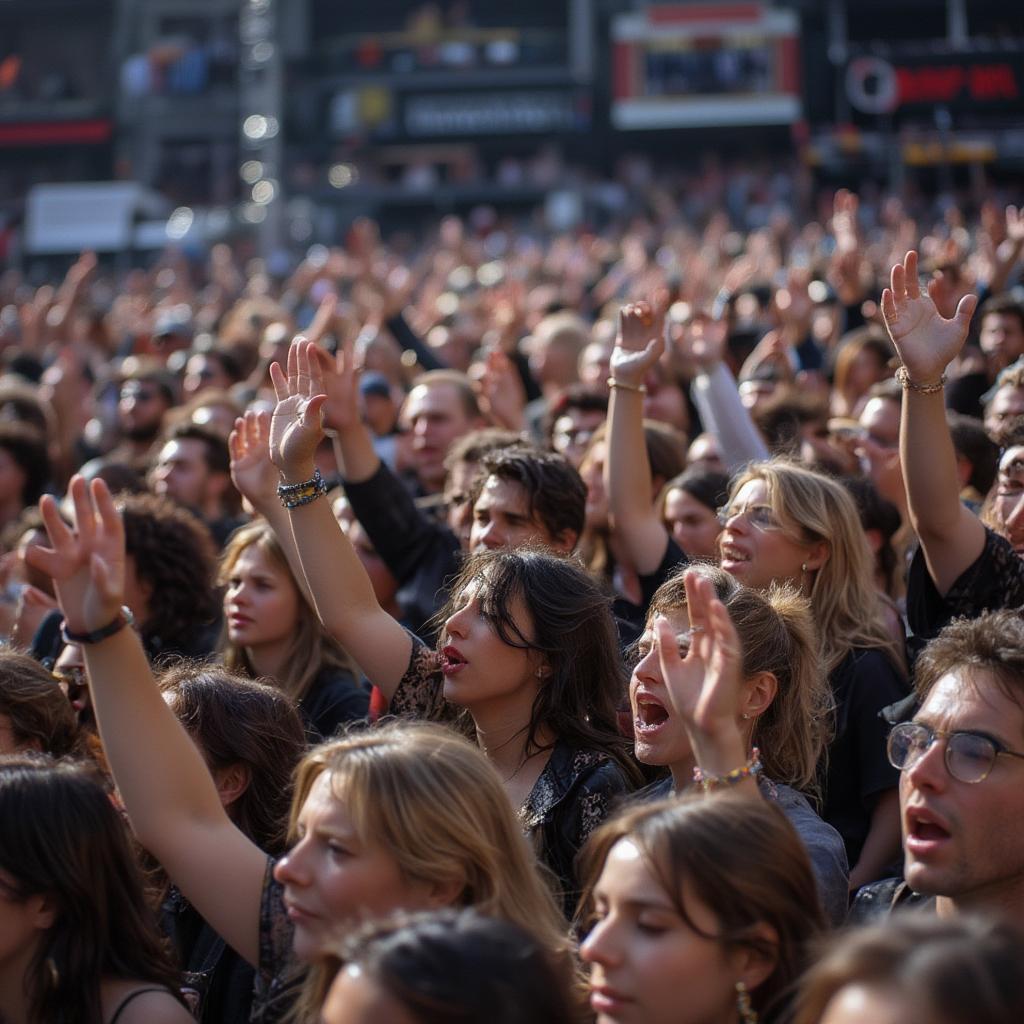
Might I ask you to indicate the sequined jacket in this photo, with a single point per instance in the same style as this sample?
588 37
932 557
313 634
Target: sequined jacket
575 792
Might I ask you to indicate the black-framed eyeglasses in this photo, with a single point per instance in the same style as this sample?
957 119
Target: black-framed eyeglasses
969 756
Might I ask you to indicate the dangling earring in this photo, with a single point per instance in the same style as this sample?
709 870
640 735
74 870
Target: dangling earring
803 568
748 1015
54 973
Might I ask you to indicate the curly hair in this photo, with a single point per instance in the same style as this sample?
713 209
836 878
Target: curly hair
175 560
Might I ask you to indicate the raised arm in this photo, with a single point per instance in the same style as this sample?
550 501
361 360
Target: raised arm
627 469
951 536
166 787
717 397
341 591
353 445
705 687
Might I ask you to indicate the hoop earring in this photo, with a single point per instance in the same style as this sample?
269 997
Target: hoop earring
748 1015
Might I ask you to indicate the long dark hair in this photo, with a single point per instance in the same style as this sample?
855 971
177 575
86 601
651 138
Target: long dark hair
64 840
572 628
234 720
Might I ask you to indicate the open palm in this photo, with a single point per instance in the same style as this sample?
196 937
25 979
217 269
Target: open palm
295 427
252 472
704 687
86 564
925 340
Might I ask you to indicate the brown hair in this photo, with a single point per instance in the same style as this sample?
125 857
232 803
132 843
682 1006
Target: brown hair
237 721
39 712
312 648
992 643
954 971
71 845
776 635
173 554
742 859
871 339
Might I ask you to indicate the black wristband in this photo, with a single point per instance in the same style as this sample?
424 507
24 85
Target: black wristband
94 636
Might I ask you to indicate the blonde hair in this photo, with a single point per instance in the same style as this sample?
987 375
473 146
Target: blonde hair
846 606
312 647
776 635
435 802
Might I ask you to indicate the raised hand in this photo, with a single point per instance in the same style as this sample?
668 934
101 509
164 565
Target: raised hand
501 393
296 428
86 563
639 344
340 381
252 472
925 340
704 341
705 686
322 320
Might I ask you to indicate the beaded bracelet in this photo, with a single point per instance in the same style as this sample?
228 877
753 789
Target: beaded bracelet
747 771
297 495
903 378
613 383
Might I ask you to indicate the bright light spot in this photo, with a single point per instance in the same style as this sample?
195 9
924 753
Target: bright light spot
262 52
179 222
342 175
255 127
251 171
254 214
263 192
817 291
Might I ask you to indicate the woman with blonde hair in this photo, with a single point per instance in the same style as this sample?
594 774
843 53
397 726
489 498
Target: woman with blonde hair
271 632
786 524
407 817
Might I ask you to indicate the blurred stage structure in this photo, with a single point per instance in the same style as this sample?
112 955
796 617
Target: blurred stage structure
291 117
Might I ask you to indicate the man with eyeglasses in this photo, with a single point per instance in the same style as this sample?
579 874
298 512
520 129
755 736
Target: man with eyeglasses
961 762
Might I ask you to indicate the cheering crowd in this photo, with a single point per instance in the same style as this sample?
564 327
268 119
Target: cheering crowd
500 625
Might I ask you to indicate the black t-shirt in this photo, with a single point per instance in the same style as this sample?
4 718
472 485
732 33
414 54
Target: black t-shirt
858 770
994 580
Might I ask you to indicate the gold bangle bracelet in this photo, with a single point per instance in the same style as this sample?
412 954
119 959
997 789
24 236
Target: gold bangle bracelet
903 377
640 388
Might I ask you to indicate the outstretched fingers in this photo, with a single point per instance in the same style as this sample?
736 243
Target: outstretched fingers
913 283
53 559
109 519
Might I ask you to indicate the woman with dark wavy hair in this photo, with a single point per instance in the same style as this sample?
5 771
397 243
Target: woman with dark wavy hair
78 945
527 658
